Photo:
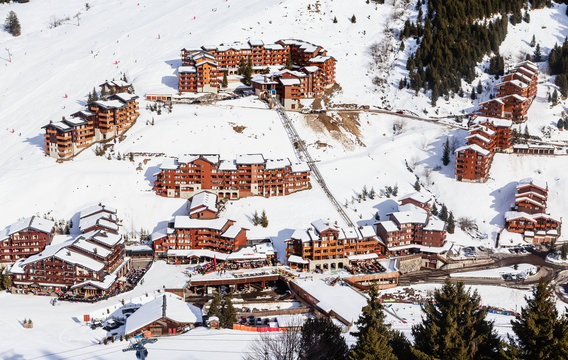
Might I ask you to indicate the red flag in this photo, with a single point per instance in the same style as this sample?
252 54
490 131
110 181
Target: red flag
214 260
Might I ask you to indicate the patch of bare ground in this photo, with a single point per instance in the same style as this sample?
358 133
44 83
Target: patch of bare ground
239 129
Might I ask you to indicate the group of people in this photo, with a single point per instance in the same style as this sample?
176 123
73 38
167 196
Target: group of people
364 267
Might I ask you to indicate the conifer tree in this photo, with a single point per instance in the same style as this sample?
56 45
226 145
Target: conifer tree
454 327
225 82
12 24
248 72
353 19
395 190
372 193
540 332
443 215
321 339
560 124
537 54
255 218
451 223
372 333
335 20
479 87
95 97
564 251
228 314
533 41
446 156
215 307
417 185
263 219
103 92
434 209
289 62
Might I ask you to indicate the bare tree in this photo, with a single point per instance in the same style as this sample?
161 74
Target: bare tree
283 345
467 224
428 176
398 126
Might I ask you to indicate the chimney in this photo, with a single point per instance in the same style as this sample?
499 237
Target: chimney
164 306
95 250
63 118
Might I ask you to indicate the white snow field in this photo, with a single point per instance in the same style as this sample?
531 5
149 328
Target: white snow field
53 69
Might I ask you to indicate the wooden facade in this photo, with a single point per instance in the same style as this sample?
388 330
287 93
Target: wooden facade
188 234
25 238
104 120
248 175
473 163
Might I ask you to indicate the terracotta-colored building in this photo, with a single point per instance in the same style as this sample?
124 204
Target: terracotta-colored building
185 233
203 206
327 246
25 238
104 120
247 175
473 163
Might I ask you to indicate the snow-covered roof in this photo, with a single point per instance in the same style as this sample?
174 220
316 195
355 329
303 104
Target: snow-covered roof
490 132
227 165
311 69
186 69
201 201
368 231
480 137
248 159
60 125
124 97
435 224
498 122
492 100
76 121
533 194
169 164
273 164
320 59
185 222
163 307
297 260
109 104
475 148
97 220
534 182
537 202
33 223
273 47
95 209
300 167
197 253
232 232
289 82
410 217
320 225
363 257
48 252
255 42
389 226
73 257
416 196
515 82
92 248
102 237
516 97
529 64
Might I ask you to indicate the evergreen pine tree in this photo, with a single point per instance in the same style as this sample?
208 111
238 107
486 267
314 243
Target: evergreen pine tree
372 333
554 97
263 219
560 124
451 223
443 215
372 193
248 72
353 19
446 156
289 62
454 327
564 251
321 339
434 209
103 92
335 20
225 82
533 41
479 87
228 313
395 190
537 54
540 332
417 185
473 94
526 134
215 307
12 24
242 67
255 219
95 97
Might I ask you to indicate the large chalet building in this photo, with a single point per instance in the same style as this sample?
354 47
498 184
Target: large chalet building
488 135
186 233
528 216
247 175
412 227
312 73
88 265
515 94
24 238
327 246
103 120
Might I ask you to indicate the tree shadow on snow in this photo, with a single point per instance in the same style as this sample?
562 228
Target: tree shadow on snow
503 200
435 151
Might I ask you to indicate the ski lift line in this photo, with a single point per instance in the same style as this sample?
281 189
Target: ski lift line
301 149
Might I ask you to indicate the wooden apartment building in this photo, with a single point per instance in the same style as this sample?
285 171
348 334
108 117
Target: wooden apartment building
185 233
412 228
201 68
327 246
102 121
24 238
487 135
515 94
529 217
88 265
247 175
